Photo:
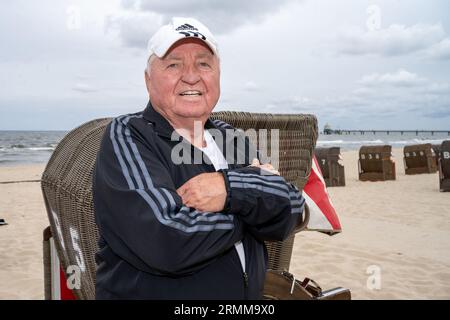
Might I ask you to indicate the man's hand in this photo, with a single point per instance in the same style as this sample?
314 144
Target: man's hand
205 192
267 167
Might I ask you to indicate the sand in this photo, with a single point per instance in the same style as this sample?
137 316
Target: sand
399 230
22 206
395 242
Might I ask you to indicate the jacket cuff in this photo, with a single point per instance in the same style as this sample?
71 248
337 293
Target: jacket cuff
227 206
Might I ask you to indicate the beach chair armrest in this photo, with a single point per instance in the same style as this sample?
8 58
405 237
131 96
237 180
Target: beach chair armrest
303 220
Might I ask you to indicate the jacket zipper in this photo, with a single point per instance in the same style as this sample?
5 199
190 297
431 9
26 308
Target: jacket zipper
245 274
241 255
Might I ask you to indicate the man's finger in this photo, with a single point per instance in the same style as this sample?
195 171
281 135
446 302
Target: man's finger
187 194
255 162
187 200
269 171
181 191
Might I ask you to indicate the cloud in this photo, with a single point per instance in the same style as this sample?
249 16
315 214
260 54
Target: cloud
398 84
442 112
403 92
251 86
440 51
84 88
139 19
377 99
400 78
220 16
134 29
395 40
437 89
298 104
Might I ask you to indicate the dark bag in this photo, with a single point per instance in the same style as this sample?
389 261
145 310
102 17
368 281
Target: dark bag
282 285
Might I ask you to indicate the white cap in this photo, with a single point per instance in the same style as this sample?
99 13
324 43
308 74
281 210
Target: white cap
177 29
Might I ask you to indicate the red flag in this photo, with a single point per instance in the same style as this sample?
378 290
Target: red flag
323 216
66 293
59 289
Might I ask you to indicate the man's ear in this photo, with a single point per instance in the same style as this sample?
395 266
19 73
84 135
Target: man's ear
147 81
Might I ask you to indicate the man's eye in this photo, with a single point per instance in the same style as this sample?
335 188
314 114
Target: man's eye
204 64
172 65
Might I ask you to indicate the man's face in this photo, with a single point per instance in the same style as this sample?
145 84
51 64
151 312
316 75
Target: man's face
185 83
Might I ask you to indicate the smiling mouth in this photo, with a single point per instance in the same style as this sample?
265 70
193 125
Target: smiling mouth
191 93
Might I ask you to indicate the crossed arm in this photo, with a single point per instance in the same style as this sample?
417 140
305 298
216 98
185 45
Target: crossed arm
145 219
197 192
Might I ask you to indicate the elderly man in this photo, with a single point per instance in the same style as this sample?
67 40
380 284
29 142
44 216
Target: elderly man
189 230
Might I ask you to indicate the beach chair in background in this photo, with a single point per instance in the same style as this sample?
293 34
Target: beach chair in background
66 186
444 166
332 170
376 164
437 149
419 158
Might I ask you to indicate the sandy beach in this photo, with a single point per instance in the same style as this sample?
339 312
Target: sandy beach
395 242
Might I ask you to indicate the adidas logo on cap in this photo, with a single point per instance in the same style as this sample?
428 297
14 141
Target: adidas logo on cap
186 26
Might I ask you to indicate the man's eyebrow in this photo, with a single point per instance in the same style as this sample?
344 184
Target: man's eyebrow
173 57
205 55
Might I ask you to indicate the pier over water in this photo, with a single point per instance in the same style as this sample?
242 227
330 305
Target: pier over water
363 132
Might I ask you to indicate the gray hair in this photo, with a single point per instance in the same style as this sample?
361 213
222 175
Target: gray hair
149 64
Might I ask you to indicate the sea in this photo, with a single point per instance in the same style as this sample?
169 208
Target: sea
354 140
28 147
33 147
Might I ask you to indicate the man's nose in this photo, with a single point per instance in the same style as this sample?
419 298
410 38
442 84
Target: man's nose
191 75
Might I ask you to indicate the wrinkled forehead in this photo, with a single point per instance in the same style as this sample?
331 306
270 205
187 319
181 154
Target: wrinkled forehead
189 46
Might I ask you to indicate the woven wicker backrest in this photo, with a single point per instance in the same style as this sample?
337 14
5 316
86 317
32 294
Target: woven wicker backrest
334 153
437 149
297 140
67 185
445 158
416 156
371 157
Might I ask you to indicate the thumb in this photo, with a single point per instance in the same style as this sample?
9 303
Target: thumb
255 162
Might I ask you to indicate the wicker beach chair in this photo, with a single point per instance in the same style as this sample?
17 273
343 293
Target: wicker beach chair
375 163
66 186
333 172
437 149
419 158
444 166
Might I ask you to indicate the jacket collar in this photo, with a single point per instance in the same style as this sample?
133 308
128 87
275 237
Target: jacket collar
162 126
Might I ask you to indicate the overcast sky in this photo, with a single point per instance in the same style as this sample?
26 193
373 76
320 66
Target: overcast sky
354 64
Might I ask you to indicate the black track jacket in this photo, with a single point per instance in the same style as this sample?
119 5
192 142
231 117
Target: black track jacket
151 246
